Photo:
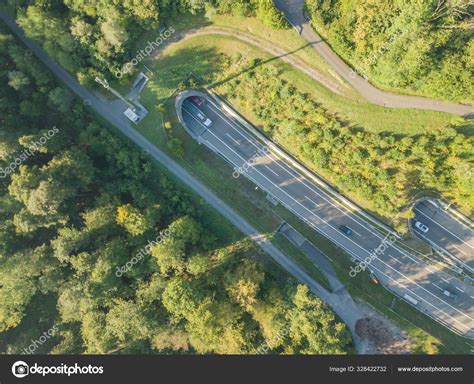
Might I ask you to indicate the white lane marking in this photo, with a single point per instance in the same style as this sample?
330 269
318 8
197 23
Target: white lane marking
446 281
310 200
459 289
437 286
271 170
194 117
447 230
357 233
358 257
350 240
460 250
301 179
430 270
233 139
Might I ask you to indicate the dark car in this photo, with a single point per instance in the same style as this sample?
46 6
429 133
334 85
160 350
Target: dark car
197 100
346 230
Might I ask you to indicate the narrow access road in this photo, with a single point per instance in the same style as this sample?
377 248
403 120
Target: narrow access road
294 12
348 313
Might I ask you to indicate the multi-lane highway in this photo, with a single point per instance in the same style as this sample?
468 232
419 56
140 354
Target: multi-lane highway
445 233
400 271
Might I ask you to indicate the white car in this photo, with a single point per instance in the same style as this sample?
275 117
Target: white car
422 227
206 121
449 294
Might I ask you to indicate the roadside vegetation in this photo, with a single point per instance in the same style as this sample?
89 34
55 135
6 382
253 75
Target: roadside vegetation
223 63
79 214
420 47
381 171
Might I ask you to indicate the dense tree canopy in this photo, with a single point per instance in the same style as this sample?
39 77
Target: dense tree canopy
98 244
96 38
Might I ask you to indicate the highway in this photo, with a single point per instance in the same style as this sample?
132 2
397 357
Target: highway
446 233
399 270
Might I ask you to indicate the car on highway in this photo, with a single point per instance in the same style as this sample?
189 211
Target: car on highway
205 120
199 101
197 113
422 227
346 230
449 294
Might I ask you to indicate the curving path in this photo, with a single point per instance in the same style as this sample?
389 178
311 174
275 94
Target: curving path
264 45
294 12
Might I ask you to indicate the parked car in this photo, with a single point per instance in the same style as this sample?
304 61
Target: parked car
346 230
131 115
422 227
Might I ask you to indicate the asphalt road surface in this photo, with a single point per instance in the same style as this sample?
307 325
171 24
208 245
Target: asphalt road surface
293 10
400 271
445 233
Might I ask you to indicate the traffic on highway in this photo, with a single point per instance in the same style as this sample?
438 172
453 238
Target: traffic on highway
437 294
444 232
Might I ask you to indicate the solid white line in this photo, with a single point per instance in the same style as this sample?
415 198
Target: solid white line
437 286
460 250
430 270
271 170
447 230
235 141
301 179
446 281
357 245
459 289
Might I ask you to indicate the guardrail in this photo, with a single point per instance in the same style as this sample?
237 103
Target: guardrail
302 168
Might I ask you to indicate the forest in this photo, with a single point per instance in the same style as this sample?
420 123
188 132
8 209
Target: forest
421 47
105 253
96 38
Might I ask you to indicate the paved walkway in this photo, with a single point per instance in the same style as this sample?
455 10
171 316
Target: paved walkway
293 10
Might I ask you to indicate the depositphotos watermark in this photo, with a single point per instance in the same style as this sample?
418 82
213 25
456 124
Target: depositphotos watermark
35 344
143 53
380 250
375 56
275 341
145 251
27 153
21 369
251 162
